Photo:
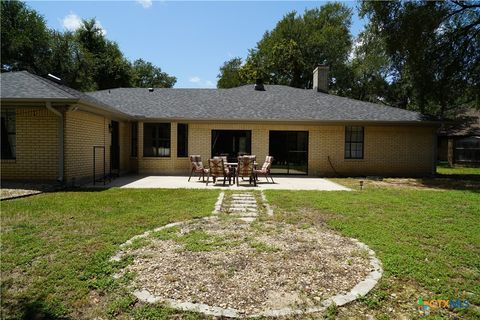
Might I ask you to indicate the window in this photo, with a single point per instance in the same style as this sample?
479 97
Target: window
156 140
289 150
467 150
9 136
231 143
134 142
353 142
182 140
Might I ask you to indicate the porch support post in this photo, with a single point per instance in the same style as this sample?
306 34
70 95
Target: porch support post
61 138
450 156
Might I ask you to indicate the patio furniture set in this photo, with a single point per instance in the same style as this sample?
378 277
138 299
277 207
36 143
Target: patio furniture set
245 167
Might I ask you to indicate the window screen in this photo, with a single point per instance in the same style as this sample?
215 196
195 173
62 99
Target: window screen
353 142
182 140
9 134
156 140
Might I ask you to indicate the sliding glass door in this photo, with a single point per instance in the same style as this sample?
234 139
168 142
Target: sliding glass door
290 152
231 143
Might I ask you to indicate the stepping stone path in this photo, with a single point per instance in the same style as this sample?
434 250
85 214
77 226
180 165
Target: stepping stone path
244 205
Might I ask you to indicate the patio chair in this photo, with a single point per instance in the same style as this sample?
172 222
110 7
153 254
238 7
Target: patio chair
224 158
225 161
197 167
245 169
218 169
265 170
243 154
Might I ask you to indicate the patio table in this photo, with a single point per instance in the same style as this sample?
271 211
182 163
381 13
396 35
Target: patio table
234 166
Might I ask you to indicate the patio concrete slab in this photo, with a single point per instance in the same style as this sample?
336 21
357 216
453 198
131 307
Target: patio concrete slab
179 182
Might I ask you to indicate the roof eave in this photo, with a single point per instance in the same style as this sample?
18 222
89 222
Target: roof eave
90 107
38 100
298 121
108 110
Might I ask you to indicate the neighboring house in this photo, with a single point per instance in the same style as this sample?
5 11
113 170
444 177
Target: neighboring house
459 141
49 131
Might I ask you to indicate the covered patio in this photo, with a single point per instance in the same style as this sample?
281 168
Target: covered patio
178 182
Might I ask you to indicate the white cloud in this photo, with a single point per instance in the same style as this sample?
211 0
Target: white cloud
195 79
357 43
99 25
145 3
72 22
201 83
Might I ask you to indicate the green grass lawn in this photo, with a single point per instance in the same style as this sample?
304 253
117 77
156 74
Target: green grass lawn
428 240
444 169
56 246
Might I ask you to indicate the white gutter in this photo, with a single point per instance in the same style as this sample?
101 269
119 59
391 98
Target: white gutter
61 136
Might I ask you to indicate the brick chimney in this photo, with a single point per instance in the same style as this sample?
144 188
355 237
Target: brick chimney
320 78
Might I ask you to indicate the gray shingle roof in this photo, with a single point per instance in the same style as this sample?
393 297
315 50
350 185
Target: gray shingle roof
276 103
23 85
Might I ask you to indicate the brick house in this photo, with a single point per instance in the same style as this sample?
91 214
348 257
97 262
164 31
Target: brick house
49 131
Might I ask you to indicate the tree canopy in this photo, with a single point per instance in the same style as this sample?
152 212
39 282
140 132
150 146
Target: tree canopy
288 54
145 74
418 55
433 49
25 38
84 59
230 76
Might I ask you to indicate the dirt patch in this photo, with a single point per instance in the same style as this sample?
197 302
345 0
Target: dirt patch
16 193
438 183
408 183
11 190
252 268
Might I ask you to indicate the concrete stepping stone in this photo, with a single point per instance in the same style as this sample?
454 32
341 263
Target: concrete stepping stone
244 205
245 201
243 210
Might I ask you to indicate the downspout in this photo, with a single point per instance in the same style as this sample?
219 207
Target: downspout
61 136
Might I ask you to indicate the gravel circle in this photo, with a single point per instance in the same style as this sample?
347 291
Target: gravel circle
252 268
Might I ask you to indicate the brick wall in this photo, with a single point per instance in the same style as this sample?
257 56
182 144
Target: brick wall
83 130
161 165
37 152
388 150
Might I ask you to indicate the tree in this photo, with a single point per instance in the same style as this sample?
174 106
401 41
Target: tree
290 52
230 74
25 38
85 59
146 75
70 62
102 58
370 69
433 47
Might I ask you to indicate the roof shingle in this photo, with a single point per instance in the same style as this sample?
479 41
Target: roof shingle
23 85
276 103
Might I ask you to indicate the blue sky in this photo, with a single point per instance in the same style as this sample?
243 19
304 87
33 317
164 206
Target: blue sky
189 40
